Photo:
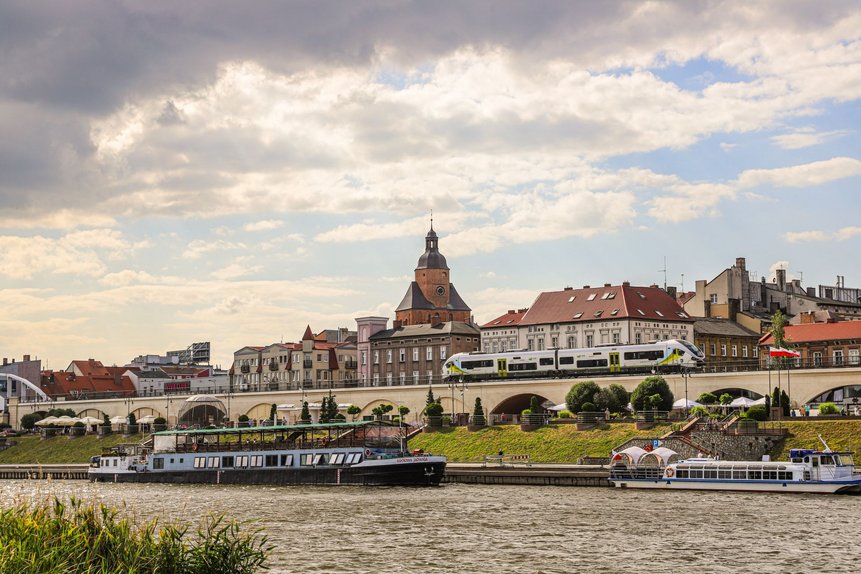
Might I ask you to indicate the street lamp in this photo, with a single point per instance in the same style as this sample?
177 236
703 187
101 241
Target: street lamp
685 377
453 385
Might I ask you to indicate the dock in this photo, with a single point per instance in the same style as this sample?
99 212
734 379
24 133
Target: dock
44 471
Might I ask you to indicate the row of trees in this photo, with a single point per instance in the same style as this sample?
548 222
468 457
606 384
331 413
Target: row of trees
651 394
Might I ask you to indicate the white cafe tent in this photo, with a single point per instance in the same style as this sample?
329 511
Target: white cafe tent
46 421
681 404
758 401
742 402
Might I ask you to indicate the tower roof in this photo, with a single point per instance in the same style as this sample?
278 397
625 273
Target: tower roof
432 258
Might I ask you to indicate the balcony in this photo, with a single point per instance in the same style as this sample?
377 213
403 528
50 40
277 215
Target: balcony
351 365
307 363
273 366
245 369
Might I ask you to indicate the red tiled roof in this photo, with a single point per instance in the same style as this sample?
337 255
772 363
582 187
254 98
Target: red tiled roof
611 302
308 336
818 332
510 318
67 383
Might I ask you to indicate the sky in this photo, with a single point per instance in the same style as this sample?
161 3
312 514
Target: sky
223 171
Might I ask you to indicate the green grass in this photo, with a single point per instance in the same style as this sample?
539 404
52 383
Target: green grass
60 449
53 536
839 434
562 443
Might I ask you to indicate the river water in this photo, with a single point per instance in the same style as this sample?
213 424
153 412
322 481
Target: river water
477 528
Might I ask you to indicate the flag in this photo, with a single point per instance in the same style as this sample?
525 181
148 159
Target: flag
781 352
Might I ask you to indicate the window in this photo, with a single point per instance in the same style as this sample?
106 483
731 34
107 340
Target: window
571 342
389 356
388 379
615 338
402 355
554 342
442 353
376 357
723 349
429 353
257 460
854 357
589 340
735 350
530 345
756 352
364 357
415 377
541 344
213 462
744 352
577 315
817 358
591 297
713 349
403 378
286 460
415 354
158 462
638 338
838 357
713 298
227 461
658 313
200 462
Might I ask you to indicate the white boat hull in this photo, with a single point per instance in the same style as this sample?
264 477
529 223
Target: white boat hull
813 487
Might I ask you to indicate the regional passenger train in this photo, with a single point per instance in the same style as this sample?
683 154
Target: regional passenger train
661 356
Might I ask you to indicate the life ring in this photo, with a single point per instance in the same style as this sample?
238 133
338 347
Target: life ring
670 473
367 452
194 447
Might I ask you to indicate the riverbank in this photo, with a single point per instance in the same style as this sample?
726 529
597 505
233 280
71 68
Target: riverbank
560 444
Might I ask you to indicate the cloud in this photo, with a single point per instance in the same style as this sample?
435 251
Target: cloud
264 225
200 247
806 137
843 234
805 175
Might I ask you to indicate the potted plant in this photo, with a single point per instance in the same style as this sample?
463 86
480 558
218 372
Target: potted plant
78 429
132 426
105 427
159 424
433 412
478 421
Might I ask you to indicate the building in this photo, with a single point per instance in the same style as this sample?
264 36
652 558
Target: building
194 354
500 334
431 323
609 315
736 296
88 379
840 292
820 344
727 345
28 369
431 298
322 361
177 379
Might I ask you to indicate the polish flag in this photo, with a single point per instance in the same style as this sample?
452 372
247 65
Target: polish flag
781 352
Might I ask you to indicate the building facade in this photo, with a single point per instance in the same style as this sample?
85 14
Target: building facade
820 344
501 334
727 345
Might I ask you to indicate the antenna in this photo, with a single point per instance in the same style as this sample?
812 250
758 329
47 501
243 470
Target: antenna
683 282
665 272
827 448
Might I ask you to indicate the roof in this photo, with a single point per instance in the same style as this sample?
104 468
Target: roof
610 302
427 330
414 299
67 383
431 258
815 332
510 318
455 303
722 328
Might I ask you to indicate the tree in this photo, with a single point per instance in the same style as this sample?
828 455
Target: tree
478 413
580 393
707 399
654 385
273 412
403 411
430 400
784 403
380 410
535 404
28 421
353 410
132 419
621 398
725 399
778 335
775 397
305 415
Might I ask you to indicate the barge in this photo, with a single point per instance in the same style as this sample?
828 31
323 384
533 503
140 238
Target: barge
339 453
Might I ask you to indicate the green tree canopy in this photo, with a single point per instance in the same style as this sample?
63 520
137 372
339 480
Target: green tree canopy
650 386
582 392
707 399
725 399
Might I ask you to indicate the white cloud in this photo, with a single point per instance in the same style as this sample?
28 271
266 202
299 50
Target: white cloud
847 233
200 247
264 225
805 236
806 137
805 175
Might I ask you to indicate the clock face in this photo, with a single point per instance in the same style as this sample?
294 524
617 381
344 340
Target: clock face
440 290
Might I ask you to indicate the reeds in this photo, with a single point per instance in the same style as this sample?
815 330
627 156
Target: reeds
90 538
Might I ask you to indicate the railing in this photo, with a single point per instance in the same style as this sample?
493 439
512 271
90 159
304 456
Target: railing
307 363
511 459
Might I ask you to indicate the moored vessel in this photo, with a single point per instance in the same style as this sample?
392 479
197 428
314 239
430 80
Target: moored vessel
339 453
806 471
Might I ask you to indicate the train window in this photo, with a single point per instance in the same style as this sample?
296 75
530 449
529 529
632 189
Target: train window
476 364
589 363
522 367
566 360
547 361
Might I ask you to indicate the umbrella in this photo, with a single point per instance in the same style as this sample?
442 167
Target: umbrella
559 407
65 421
118 420
146 420
46 421
680 404
759 401
743 402
91 421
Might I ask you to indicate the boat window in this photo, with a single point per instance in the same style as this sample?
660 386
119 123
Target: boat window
815 461
337 458
754 475
769 475
826 459
353 458
784 476
200 462
214 462
807 459
307 459
271 460
286 460
695 473
739 475
257 460
158 462
319 459
710 473
682 474
241 461
227 461
724 473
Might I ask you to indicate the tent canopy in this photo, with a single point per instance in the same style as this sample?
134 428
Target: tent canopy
742 402
559 407
681 404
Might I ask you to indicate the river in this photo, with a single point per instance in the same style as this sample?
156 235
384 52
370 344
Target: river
472 528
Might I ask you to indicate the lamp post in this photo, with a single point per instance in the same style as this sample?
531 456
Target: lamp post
685 377
167 409
453 385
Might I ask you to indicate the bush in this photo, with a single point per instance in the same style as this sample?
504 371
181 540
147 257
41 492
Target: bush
588 407
757 413
159 421
828 409
580 393
565 414
28 421
79 425
725 399
132 419
642 397
526 412
243 418
707 399
434 409
699 412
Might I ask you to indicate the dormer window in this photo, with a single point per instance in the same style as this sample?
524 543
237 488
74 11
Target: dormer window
577 315
591 297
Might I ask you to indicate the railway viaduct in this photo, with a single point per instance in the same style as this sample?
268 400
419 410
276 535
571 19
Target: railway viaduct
498 397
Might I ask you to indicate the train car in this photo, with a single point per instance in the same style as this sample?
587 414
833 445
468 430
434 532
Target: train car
661 356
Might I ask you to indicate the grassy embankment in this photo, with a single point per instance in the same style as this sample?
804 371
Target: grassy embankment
55 536
557 443
60 449
560 443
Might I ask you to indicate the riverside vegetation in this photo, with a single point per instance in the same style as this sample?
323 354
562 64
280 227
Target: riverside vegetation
53 536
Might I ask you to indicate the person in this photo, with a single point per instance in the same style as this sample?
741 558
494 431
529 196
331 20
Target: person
857 411
807 410
607 414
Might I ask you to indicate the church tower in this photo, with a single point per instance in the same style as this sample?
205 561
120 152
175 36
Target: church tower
432 298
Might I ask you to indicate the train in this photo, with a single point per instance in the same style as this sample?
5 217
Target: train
661 356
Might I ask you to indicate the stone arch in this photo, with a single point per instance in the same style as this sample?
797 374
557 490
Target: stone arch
367 410
848 396
736 392
141 412
515 404
201 410
260 411
95 413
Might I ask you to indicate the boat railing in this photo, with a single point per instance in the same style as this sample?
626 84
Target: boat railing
636 472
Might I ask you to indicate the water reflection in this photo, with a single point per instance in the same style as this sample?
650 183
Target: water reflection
470 528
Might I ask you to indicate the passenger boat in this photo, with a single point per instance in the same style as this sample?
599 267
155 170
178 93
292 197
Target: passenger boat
811 471
340 453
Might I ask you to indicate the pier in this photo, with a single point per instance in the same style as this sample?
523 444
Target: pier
533 474
44 471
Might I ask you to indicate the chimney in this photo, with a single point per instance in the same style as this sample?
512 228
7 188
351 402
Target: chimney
396 324
586 287
568 289
626 283
26 358
780 277
606 284
5 361
510 311
740 263
524 310
671 291
807 317
811 292
734 307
